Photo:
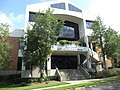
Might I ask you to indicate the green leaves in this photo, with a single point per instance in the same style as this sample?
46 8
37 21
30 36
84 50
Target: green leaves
41 37
5 47
111 39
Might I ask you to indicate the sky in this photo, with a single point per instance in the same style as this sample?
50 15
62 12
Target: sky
13 11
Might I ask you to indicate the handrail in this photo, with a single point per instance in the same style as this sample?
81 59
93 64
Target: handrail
94 54
58 73
85 72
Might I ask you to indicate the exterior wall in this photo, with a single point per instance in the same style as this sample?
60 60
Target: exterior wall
14 41
109 60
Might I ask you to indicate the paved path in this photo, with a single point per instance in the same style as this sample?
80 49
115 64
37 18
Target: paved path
77 82
107 86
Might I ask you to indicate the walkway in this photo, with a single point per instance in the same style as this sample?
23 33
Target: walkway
108 86
73 83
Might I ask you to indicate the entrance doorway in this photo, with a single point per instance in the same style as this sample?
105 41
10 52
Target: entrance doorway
63 62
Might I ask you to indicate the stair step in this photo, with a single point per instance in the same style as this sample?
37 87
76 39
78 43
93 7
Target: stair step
72 74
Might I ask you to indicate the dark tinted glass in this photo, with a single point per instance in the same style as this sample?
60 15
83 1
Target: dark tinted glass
89 24
31 16
58 5
67 32
73 8
70 31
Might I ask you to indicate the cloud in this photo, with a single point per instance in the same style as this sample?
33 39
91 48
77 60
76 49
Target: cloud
108 10
15 21
4 18
16 18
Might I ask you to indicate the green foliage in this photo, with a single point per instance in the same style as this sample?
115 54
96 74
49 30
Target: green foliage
98 29
26 86
40 38
108 73
111 40
5 47
63 42
108 38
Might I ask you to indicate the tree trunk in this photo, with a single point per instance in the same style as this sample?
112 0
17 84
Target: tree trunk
31 70
42 69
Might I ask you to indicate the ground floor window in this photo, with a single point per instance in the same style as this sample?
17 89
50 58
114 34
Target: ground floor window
19 65
64 62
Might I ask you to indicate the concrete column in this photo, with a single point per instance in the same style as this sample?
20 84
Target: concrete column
23 67
86 41
49 65
91 45
78 61
88 61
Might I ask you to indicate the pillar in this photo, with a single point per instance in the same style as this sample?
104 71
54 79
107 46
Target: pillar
88 61
49 66
78 61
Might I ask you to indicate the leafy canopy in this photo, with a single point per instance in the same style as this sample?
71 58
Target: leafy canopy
41 37
5 47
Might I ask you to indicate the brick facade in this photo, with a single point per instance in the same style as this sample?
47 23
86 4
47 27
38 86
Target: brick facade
14 41
110 62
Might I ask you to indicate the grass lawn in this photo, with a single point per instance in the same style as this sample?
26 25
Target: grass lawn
86 84
56 83
32 86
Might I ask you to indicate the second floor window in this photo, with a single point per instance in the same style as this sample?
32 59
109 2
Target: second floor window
67 32
70 31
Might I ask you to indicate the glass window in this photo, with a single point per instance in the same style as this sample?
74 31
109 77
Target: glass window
31 16
70 31
73 8
89 24
67 32
58 5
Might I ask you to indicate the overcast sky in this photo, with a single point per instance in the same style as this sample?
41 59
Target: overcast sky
13 11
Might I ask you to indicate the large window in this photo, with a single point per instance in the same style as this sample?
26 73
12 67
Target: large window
58 5
67 32
89 24
73 8
70 31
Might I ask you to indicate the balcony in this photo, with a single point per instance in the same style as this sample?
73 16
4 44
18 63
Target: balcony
69 47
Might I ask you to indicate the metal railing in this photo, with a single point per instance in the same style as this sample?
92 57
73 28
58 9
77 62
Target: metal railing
85 72
58 74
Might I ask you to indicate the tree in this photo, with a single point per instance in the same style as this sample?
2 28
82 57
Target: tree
98 35
40 38
111 40
108 39
5 47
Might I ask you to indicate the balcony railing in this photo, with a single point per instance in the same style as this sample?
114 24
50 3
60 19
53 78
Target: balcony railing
69 47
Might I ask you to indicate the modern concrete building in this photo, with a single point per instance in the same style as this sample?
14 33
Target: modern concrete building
72 61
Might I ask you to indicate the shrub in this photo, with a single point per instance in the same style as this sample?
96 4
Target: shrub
108 73
63 42
53 77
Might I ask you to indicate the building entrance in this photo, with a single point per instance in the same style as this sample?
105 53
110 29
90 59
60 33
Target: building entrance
64 62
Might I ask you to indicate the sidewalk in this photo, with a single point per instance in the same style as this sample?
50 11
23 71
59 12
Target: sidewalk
72 83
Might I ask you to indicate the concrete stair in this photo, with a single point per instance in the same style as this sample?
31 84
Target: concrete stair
71 74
